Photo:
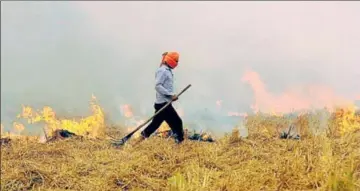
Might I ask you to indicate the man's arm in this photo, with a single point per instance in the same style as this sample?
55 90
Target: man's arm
159 81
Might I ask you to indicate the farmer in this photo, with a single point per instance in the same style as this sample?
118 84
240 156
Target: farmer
164 94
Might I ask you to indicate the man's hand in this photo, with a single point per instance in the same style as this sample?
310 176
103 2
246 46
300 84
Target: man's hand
174 97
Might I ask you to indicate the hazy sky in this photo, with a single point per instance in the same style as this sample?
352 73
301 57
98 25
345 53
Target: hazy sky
59 53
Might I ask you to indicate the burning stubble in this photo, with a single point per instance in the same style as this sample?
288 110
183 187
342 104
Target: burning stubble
298 98
58 53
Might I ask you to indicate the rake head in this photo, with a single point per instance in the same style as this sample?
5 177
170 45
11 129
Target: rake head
120 142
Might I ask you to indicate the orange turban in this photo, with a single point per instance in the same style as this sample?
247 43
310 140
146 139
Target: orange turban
171 59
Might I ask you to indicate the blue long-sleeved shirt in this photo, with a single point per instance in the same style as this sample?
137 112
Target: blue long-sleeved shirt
164 80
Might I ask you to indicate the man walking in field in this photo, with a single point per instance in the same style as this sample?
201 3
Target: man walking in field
165 93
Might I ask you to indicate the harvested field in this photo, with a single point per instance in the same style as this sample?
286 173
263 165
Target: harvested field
326 157
259 162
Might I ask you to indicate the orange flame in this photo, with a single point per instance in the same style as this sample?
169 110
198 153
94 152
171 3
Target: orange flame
163 127
19 127
347 120
127 110
91 126
291 100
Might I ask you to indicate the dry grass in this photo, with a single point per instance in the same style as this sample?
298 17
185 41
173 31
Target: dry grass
260 162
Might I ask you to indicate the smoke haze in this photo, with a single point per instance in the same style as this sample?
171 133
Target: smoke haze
239 56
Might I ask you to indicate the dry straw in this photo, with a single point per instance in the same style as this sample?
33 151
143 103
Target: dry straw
326 161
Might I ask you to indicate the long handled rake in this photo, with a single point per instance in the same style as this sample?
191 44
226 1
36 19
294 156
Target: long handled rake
127 137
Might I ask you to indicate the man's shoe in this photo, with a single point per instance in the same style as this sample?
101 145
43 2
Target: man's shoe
177 141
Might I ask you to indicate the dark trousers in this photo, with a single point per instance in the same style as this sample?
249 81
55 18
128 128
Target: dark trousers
172 119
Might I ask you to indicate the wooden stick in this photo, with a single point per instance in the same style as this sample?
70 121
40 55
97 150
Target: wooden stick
140 126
